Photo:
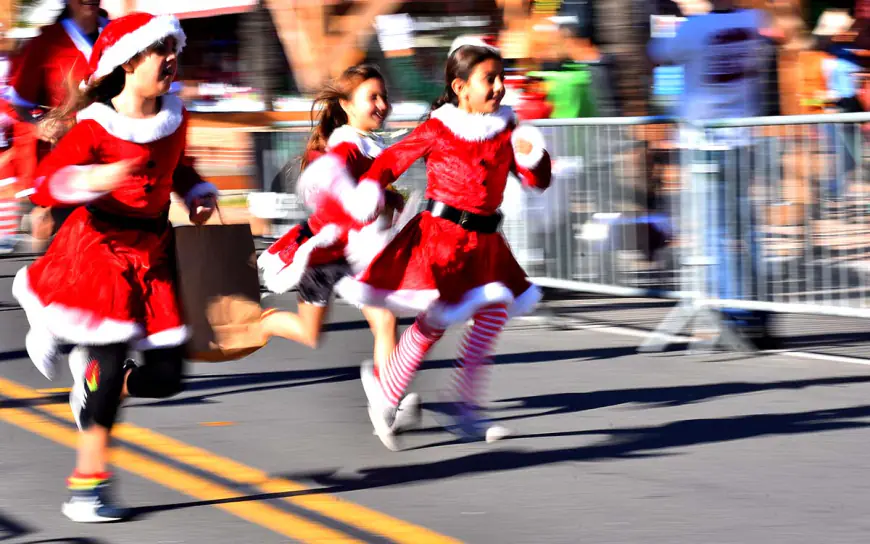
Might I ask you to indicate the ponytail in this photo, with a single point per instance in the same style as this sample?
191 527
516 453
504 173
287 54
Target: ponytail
331 116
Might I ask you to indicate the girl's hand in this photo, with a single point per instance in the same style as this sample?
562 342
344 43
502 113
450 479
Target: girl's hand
523 147
51 130
105 178
202 209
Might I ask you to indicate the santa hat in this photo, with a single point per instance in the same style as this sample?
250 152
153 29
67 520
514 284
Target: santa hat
487 42
126 37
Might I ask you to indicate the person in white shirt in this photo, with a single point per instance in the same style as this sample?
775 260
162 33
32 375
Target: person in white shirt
721 55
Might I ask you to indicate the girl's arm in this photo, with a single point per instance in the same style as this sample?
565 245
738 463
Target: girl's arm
331 175
70 175
396 159
186 181
532 163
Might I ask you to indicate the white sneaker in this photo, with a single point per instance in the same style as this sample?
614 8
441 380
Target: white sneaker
78 395
409 414
94 506
465 422
381 413
42 350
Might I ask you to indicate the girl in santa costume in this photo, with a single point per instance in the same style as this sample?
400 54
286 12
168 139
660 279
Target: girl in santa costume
450 264
344 231
46 70
106 285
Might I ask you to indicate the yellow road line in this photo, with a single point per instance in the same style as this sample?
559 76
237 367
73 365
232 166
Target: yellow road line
354 515
264 515
53 390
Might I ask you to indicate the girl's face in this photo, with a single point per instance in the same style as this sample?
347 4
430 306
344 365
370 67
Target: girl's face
484 89
151 74
368 106
85 9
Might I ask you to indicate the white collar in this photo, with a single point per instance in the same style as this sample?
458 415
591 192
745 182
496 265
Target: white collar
474 127
78 37
139 131
370 144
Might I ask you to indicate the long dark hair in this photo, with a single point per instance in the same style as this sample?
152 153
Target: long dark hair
102 90
329 98
461 64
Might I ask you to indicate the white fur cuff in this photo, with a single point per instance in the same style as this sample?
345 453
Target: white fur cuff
200 190
534 136
365 201
61 185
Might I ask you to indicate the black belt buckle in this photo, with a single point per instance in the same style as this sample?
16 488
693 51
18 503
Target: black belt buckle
466 220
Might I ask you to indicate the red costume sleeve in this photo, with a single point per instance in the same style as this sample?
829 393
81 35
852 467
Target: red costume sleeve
330 176
396 159
54 175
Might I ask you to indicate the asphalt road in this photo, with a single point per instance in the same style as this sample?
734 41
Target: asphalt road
610 446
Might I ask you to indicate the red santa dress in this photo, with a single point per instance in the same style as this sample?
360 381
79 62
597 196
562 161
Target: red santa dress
108 277
440 263
339 227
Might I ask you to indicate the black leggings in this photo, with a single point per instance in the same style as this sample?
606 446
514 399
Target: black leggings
158 378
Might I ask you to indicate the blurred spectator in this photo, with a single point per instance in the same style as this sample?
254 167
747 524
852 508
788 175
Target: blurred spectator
45 71
396 38
533 103
720 52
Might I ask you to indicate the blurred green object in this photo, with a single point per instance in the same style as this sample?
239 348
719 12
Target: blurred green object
570 91
404 75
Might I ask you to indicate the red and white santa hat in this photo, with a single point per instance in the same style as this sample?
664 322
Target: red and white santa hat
127 36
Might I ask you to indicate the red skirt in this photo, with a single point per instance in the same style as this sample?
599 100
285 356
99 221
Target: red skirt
99 284
436 266
285 261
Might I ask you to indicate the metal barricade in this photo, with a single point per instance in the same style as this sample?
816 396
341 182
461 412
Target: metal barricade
776 212
603 225
777 220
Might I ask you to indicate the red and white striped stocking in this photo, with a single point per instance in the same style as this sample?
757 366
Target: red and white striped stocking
407 357
475 349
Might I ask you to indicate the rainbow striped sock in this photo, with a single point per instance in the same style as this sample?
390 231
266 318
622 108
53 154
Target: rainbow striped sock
85 482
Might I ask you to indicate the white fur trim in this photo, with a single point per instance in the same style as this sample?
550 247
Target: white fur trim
367 243
326 173
474 127
60 185
411 302
73 325
366 143
200 190
534 136
138 131
364 201
287 278
139 40
269 263
169 338
406 302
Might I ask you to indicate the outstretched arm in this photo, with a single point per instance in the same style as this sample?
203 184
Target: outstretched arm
532 163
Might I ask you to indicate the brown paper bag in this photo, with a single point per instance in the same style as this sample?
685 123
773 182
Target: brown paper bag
219 289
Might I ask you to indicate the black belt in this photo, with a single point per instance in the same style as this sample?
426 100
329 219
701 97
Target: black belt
155 225
304 232
474 222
